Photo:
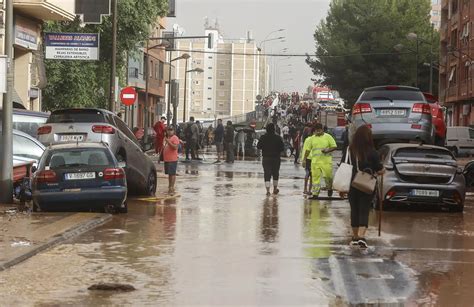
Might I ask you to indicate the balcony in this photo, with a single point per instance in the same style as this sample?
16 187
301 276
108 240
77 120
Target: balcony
46 9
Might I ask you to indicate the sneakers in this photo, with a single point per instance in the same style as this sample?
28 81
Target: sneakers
276 191
354 242
362 243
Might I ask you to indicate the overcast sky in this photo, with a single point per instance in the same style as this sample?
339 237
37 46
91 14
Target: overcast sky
298 17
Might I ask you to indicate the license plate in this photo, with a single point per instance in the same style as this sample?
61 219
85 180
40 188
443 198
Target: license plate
425 193
71 138
72 190
80 176
392 112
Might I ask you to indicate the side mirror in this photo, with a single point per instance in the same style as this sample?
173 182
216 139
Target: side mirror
122 164
34 168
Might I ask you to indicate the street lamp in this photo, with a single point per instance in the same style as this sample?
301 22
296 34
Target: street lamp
198 70
184 56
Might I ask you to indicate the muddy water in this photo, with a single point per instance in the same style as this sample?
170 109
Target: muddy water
222 242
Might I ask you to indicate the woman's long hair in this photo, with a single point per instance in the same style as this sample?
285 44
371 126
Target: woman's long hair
362 143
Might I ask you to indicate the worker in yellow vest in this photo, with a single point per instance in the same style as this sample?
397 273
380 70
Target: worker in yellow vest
319 151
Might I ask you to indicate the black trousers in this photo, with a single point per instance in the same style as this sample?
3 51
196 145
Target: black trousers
230 152
360 206
271 168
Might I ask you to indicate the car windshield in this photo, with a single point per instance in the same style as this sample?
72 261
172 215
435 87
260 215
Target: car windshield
431 153
79 157
76 116
392 95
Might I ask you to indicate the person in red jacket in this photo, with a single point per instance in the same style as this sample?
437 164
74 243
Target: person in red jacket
160 129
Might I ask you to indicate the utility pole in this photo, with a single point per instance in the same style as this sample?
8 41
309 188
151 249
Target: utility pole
431 59
113 64
6 156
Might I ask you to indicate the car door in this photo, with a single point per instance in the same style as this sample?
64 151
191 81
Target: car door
136 161
470 141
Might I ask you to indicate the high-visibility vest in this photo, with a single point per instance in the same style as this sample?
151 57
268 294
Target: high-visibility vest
315 146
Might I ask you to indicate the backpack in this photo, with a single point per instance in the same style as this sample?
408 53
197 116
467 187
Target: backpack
188 132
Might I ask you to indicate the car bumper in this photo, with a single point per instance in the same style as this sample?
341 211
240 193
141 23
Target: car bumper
401 132
86 198
403 194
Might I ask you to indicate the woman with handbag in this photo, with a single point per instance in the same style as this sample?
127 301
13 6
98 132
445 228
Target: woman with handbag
366 166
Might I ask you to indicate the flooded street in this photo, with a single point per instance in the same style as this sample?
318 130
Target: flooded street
223 242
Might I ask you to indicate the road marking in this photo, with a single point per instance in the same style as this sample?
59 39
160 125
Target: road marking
156 199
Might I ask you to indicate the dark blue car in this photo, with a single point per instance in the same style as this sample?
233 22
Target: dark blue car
78 177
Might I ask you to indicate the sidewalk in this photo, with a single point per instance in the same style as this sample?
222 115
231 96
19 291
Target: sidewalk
23 235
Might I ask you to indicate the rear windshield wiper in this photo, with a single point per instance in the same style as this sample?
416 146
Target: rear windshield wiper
66 121
382 98
76 164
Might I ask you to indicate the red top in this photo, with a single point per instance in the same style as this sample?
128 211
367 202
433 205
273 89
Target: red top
169 153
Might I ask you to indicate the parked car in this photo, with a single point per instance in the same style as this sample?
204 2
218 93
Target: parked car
26 153
460 140
79 176
395 114
422 174
439 123
27 121
337 133
98 125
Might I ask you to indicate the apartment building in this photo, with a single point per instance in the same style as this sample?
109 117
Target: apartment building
233 75
436 13
456 60
29 74
155 73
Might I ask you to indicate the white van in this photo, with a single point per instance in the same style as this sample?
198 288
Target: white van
460 140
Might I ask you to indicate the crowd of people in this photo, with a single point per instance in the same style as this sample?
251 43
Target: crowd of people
310 143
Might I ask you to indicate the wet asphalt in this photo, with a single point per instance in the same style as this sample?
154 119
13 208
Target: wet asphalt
223 242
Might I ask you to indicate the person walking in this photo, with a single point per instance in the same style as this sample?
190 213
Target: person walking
170 156
365 157
191 135
160 129
229 142
241 143
319 148
307 161
297 146
271 145
219 140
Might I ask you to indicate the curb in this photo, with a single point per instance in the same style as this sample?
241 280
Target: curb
71 233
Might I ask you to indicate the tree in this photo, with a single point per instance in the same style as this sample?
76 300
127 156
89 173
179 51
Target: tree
86 84
355 45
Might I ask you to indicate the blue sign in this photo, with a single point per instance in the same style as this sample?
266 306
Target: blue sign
72 46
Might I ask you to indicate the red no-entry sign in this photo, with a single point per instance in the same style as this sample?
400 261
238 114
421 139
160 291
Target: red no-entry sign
128 96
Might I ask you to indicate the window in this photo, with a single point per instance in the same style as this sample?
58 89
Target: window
151 69
434 2
198 62
221 83
471 133
76 116
79 156
392 94
161 74
454 38
209 88
210 58
221 104
452 75
209 67
210 78
434 13
196 82
209 98
465 71
157 71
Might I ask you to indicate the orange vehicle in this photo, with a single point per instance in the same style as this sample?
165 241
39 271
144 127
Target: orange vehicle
438 119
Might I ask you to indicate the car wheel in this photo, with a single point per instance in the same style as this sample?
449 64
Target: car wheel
122 208
459 208
151 184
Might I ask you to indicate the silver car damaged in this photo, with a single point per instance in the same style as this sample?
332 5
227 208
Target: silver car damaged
396 114
422 174
98 125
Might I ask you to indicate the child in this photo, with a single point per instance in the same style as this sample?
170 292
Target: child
170 156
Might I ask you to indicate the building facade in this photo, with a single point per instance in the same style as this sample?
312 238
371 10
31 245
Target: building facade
233 75
456 60
436 13
147 65
30 76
